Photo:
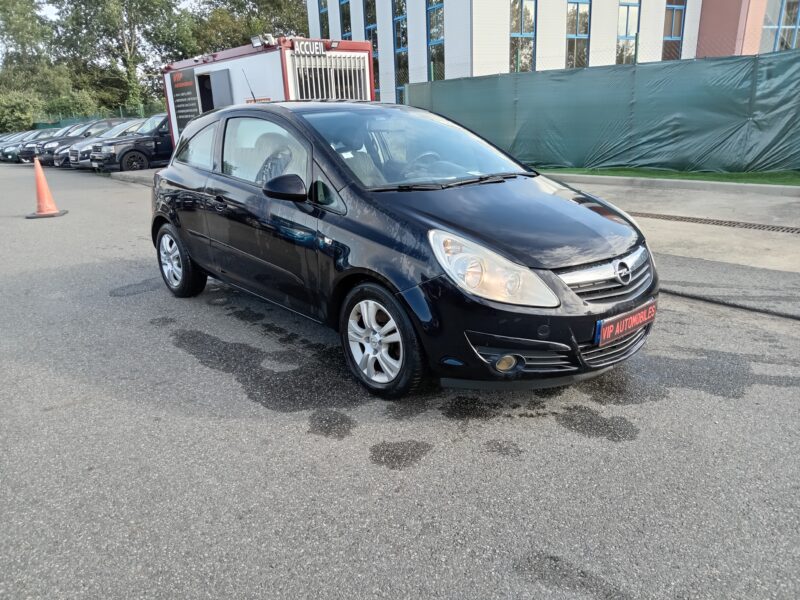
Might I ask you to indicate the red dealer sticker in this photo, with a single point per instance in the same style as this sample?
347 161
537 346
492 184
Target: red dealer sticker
609 330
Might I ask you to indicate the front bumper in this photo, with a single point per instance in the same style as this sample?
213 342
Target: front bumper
27 154
103 161
463 336
61 160
10 156
83 162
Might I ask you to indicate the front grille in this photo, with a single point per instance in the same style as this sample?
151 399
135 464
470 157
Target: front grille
535 361
617 351
600 284
73 155
97 148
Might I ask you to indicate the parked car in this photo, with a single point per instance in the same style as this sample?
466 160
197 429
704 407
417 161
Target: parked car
28 150
56 151
79 152
12 146
150 146
7 142
429 249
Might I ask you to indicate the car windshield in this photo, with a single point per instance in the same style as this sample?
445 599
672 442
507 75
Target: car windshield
63 131
115 131
150 124
81 130
388 147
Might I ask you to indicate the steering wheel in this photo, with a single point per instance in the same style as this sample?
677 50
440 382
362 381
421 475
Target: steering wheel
428 157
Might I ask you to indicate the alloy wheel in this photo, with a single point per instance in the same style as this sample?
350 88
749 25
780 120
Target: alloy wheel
375 341
171 265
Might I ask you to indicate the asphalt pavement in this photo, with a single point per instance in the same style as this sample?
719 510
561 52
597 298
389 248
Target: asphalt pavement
215 447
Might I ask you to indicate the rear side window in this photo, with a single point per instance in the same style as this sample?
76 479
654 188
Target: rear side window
199 150
258 150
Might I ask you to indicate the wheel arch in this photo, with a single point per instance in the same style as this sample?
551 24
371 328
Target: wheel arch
158 221
345 284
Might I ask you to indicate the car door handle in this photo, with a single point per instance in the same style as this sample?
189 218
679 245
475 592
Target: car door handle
219 204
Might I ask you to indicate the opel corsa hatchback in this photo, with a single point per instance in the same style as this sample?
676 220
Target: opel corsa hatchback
431 251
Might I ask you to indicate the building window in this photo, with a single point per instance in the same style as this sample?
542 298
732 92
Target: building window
371 34
628 32
435 18
578 23
523 33
400 22
673 29
781 26
344 19
324 29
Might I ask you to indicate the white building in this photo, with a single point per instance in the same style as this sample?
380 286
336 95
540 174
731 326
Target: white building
423 40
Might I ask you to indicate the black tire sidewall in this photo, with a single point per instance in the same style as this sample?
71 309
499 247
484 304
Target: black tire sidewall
122 163
412 368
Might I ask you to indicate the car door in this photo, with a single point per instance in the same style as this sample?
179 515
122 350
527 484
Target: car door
163 142
182 186
264 244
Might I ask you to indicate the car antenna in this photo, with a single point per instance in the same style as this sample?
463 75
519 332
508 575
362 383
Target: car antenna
248 86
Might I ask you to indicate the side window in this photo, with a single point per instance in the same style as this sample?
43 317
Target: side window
324 193
258 150
199 150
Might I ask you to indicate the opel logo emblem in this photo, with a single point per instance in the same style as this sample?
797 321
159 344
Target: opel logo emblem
622 272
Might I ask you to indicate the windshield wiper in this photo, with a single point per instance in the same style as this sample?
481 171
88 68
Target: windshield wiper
408 187
491 178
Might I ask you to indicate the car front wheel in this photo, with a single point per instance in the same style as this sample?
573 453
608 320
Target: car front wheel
183 276
380 345
134 161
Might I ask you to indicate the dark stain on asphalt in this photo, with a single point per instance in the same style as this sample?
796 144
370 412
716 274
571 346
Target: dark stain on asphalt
220 295
274 329
133 289
463 408
556 573
648 378
246 315
504 448
315 379
330 423
162 321
398 455
590 423
410 407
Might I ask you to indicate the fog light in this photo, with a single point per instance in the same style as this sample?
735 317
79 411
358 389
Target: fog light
505 363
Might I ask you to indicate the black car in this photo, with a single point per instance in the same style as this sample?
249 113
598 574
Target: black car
150 146
28 151
80 152
429 249
56 151
13 145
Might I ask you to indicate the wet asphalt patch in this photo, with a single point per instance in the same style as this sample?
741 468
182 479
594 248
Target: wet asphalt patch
504 448
134 289
330 423
557 573
162 321
590 423
398 455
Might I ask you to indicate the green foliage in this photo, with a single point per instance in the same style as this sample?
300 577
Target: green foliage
99 55
18 110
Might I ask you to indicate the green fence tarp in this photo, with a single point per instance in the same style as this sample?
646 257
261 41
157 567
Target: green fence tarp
724 114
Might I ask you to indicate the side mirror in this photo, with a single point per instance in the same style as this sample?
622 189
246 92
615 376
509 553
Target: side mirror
286 187
87 134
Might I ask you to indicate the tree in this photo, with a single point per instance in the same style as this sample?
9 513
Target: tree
227 23
24 33
18 110
116 32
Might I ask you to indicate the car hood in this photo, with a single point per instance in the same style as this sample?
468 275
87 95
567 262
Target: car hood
130 139
535 221
87 143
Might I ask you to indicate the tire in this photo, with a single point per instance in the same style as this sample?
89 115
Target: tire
133 161
397 367
180 273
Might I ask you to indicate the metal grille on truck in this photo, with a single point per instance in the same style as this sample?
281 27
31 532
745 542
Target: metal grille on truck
334 76
599 283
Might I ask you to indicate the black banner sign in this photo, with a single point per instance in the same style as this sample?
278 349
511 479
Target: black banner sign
184 97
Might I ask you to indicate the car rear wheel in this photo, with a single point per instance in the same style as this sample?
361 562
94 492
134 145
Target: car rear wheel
380 345
134 161
183 276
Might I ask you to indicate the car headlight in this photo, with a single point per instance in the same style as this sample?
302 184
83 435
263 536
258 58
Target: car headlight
49 145
484 273
107 149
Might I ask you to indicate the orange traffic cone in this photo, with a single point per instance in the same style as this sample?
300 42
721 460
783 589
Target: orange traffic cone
45 206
